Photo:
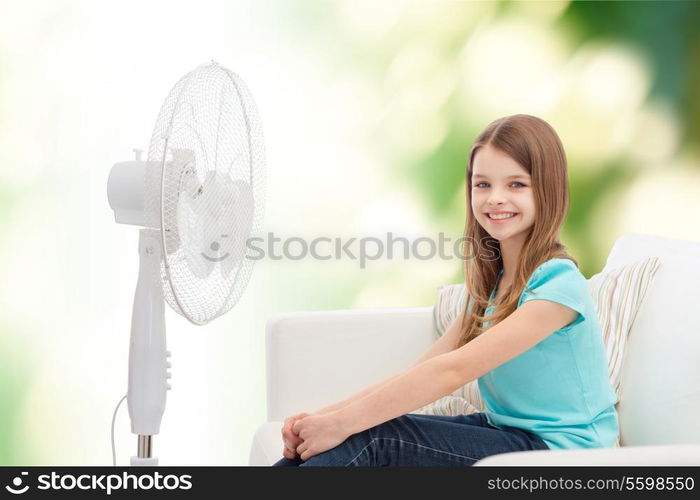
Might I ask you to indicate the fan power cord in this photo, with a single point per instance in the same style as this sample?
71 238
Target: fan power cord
114 417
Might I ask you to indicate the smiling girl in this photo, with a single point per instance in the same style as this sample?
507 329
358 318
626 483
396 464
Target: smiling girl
529 333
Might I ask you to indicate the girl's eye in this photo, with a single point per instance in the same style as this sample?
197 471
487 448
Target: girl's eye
516 182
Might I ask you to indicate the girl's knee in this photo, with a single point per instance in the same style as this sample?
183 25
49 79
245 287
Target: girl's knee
341 455
358 448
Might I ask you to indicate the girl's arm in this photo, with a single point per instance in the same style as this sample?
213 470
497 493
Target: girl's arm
447 342
359 395
443 374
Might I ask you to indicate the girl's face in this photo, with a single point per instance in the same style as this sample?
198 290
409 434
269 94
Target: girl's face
500 184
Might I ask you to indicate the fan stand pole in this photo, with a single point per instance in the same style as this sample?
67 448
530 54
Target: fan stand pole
148 358
143 455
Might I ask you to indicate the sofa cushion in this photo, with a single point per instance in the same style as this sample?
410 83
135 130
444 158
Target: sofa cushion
660 400
267 445
617 297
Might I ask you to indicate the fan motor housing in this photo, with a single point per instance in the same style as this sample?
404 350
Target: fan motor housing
125 191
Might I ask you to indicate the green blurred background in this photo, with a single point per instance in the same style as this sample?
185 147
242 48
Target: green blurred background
369 110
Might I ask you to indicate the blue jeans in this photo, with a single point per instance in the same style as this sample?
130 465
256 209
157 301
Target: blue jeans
413 440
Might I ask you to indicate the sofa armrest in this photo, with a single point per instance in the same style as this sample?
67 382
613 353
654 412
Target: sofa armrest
679 454
318 358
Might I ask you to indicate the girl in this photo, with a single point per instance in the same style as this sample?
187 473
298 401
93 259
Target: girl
529 333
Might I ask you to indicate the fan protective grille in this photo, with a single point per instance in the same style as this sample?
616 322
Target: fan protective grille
205 190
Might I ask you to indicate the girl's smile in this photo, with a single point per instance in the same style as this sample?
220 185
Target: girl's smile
501 218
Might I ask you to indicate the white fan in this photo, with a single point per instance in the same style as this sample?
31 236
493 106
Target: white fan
198 198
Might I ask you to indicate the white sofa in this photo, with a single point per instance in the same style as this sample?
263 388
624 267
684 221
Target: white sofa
317 358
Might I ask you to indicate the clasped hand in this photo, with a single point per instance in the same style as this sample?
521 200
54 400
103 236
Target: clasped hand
310 434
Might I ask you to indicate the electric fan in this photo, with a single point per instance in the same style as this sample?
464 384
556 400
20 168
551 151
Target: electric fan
197 198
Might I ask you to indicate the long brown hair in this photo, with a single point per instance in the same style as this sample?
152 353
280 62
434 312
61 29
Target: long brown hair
535 145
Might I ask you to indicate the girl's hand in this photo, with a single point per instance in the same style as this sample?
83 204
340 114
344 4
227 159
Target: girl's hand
291 440
319 433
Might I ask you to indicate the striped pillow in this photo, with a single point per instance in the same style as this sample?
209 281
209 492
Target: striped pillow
617 295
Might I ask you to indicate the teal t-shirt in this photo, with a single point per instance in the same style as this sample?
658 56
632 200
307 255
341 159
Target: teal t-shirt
558 389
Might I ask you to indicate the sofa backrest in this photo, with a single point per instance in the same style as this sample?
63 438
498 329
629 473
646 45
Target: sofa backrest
660 377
